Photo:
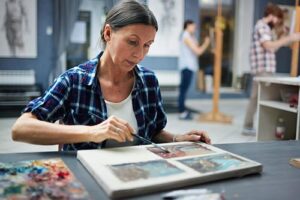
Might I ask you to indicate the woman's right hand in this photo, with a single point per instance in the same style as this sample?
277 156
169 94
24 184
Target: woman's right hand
113 128
207 40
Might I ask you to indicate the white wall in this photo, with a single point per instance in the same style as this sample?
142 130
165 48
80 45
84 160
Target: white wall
242 36
97 19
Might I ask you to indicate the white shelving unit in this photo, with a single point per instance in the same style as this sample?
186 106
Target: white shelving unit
271 105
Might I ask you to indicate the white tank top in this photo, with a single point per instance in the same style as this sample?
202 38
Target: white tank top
187 58
123 110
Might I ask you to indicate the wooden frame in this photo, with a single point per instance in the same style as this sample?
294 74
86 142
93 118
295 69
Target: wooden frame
215 115
295 45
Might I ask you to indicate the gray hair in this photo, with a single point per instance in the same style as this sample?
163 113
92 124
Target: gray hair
126 13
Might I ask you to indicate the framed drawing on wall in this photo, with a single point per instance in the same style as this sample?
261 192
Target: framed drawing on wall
18 32
169 15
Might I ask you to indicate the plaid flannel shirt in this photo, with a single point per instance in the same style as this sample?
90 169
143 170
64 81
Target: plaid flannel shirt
261 59
75 98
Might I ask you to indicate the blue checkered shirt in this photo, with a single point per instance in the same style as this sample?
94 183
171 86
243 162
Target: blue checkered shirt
75 98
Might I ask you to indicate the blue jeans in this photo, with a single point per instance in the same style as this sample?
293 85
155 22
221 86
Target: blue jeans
185 82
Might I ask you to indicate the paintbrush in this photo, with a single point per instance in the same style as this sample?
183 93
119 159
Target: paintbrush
150 142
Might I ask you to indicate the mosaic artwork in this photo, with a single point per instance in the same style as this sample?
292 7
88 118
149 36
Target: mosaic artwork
39 179
181 150
140 170
214 163
144 170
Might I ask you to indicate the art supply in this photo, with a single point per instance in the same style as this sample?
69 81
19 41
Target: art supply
295 162
150 142
129 172
193 194
181 150
39 179
214 163
280 129
138 170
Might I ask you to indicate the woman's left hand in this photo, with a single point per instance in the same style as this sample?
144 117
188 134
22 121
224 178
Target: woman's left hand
194 136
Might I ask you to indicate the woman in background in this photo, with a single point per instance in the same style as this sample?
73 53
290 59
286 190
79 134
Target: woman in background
188 63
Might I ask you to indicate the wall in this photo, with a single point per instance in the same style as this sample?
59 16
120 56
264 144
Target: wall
242 36
191 11
43 63
97 18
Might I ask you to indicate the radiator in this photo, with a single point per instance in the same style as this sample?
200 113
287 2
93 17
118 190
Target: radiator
17 77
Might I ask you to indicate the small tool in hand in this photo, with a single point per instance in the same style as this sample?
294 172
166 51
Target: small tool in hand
150 142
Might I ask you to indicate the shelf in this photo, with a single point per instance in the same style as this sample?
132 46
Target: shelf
278 105
294 81
14 103
20 94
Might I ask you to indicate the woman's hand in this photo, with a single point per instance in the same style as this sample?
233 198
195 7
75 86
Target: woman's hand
194 136
113 128
206 41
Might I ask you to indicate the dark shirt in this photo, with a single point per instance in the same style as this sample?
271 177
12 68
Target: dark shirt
75 98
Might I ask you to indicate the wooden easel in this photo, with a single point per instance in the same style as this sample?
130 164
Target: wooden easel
295 45
215 115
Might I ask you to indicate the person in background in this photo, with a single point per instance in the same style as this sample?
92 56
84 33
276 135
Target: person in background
188 63
262 55
105 101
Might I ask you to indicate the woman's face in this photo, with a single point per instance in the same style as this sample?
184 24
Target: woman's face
129 45
191 28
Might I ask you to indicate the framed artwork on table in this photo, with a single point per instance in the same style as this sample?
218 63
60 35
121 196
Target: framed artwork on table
129 171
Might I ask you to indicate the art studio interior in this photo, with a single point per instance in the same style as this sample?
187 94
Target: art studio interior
226 71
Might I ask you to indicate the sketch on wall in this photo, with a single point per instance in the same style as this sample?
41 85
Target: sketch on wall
169 15
18 27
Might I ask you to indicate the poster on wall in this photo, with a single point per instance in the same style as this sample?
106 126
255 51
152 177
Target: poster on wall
169 15
18 28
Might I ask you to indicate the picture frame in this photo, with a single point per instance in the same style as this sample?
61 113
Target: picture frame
169 15
18 28
129 171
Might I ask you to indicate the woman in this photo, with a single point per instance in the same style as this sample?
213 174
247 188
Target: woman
106 100
188 63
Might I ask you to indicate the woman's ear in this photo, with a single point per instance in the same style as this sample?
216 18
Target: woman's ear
107 32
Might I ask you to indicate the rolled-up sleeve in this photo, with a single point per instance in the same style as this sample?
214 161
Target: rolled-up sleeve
52 105
161 119
265 34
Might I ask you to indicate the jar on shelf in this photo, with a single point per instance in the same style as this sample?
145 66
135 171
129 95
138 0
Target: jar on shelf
280 128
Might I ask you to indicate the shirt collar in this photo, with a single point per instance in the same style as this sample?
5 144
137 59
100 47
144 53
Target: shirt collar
89 69
90 72
139 77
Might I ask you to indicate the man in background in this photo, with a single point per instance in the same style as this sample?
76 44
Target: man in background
262 55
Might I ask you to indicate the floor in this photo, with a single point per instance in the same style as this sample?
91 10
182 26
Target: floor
219 133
